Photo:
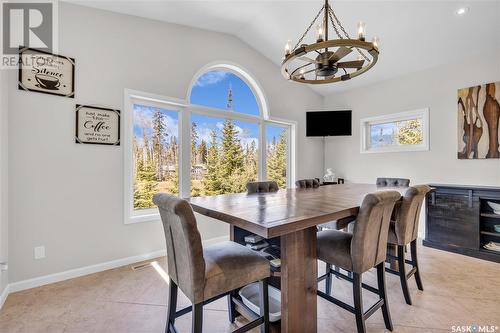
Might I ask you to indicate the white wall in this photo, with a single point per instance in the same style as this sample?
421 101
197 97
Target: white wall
3 179
434 88
68 197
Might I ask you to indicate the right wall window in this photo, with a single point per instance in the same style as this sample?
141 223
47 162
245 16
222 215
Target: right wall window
277 138
405 131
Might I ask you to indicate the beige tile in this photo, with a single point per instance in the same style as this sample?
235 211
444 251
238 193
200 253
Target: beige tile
458 291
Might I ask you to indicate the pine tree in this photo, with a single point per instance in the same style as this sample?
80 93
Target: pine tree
145 185
211 181
159 136
202 152
194 141
232 165
276 165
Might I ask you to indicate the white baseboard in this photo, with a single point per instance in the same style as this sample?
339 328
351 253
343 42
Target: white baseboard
3 296
77 272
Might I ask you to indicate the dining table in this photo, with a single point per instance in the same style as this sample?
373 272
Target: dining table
291 215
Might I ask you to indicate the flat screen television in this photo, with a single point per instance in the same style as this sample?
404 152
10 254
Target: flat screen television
328 123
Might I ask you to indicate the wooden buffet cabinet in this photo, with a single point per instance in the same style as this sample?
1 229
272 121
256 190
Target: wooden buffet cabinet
459 219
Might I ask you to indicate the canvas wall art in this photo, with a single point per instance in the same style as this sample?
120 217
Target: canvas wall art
478 121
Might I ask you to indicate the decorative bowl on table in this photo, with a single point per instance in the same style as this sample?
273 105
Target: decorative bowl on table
495 206
497 227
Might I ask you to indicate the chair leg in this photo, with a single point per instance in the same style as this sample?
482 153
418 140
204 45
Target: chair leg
231 307
358 302
418 278
172 305
402 274
197 318
328 281
383 295
264 308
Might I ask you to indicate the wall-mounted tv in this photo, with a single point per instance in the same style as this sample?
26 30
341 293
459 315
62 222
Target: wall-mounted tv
328 123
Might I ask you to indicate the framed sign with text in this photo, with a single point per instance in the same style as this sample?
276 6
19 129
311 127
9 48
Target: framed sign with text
96 125
46 73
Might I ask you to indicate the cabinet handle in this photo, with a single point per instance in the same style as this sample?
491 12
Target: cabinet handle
433 198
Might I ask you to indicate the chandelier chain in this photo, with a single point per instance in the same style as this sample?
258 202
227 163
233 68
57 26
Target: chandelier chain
332 16
330 10
309 28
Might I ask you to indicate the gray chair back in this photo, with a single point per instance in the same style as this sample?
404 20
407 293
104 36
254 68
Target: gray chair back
393 182
307 183
261 187
408 214
186 264
369 240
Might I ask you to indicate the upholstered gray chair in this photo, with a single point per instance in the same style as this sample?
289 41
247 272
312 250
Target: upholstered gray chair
358 252
392 182
206 274
307 183
262 187
404 231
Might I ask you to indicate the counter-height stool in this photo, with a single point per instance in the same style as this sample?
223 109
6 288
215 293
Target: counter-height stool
358 252
262 187
206 274
404 231
392 182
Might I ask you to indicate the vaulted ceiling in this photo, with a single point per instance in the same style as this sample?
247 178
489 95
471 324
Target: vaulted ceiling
415 35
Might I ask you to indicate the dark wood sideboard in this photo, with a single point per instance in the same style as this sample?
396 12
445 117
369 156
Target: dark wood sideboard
459 219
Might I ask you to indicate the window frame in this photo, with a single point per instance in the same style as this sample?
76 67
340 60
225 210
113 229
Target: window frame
185 109
365 124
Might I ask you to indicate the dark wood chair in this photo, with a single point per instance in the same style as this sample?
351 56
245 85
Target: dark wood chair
403 231
358 252
207 274
262 187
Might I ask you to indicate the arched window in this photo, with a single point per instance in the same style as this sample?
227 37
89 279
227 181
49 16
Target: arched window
222 89
213 143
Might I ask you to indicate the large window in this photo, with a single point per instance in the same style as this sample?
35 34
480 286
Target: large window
277 154
155 154
214 143
406 131
224 155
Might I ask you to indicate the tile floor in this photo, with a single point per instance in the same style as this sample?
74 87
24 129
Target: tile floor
458 291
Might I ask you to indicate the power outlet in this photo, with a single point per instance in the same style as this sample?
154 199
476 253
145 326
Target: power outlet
39 252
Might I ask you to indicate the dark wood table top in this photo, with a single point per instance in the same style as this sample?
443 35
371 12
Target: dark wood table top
276 214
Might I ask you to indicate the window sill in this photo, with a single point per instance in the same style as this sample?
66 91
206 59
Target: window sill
147 217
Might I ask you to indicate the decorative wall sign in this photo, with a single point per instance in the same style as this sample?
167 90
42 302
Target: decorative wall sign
97 125
478 121
46 73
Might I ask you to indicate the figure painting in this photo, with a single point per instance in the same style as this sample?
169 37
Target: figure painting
478 121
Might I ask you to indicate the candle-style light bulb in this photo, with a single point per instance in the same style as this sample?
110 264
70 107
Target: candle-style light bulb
288 48
321 33
361 30
376 42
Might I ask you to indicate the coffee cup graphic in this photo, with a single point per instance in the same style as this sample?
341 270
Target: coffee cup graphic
47 81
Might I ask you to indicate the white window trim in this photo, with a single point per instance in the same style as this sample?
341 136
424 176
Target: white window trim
130 97
365 131
184 109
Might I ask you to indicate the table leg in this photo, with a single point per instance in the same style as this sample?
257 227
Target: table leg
298 282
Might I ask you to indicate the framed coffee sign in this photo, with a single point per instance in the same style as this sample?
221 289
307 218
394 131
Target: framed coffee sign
46 73
96 125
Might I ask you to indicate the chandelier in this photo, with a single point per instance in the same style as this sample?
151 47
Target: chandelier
320 62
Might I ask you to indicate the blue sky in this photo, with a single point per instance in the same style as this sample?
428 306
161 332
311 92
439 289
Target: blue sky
212 87
211 90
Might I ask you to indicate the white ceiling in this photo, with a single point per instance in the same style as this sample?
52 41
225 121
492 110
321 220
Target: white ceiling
415 35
